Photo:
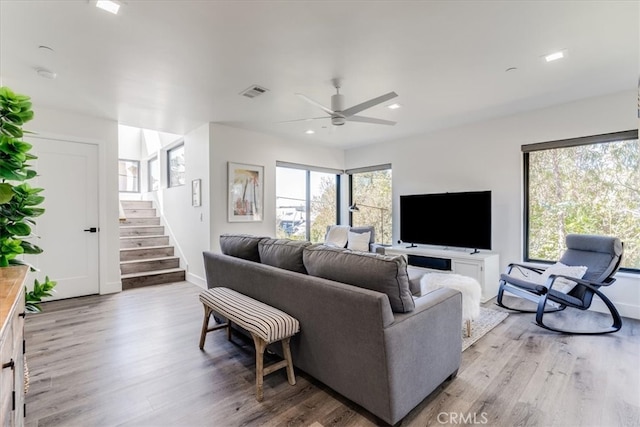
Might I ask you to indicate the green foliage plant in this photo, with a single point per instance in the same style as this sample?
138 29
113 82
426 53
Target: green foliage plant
18 200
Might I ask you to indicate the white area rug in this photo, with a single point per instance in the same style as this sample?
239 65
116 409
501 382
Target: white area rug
487 320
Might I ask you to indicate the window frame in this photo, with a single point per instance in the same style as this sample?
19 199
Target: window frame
169 151
552 145
308 169
137 178
149 181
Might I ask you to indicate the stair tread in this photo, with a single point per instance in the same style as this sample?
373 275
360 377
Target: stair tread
141 226
142 248
151 273
164 258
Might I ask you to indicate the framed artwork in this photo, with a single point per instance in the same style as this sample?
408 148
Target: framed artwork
246 184
196 193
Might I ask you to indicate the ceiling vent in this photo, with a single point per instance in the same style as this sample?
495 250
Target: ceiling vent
253 91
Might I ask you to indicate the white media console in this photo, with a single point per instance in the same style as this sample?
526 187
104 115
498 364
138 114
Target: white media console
482 266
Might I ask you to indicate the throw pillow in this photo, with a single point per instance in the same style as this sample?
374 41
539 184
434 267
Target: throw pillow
338 235
242 246
283 253
358 241
561 284
381 273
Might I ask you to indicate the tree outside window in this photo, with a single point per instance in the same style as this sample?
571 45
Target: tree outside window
371 194
585 189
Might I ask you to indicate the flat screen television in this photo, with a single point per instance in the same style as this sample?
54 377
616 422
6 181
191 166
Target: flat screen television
460 220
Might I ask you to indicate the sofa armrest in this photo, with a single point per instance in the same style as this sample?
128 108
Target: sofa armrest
423 348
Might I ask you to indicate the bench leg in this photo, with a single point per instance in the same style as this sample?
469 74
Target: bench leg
286 350
205 325
468 328
260 346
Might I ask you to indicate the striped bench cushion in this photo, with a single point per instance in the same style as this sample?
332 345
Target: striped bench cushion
267 322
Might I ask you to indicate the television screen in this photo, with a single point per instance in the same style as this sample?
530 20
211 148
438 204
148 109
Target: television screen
447 219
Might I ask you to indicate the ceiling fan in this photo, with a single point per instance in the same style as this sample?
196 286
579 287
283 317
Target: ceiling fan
339 115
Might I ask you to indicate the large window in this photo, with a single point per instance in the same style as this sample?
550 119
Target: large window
586 185
176 167
306 201
128 176
371 200
154 174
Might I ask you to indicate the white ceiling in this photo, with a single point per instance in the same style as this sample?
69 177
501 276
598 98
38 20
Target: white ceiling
175 65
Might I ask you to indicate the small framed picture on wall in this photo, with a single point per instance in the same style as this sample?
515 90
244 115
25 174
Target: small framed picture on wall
196 192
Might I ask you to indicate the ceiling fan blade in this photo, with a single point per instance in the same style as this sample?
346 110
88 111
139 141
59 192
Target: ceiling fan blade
363 119
304 120
317 104
368 104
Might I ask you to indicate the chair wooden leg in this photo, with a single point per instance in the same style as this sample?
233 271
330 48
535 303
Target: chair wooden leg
286 350
205 325
468 328
260 346
228 330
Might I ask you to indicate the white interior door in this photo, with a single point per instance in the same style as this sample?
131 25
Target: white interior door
68 172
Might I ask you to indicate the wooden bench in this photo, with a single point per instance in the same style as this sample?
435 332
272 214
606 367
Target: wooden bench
265 324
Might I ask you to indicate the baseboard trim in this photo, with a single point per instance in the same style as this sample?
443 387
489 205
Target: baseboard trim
111 288
196 280
625 310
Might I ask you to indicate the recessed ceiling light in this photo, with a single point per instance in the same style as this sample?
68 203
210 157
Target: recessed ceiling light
554 56
108 5
394 106
310 131
46 73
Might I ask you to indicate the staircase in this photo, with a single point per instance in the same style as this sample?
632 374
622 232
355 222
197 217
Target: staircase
146 258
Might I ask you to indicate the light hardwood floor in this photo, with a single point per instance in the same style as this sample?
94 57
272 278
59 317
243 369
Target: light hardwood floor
132 359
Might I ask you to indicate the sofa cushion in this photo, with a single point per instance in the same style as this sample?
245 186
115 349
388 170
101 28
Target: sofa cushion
381 273
242 246
283 253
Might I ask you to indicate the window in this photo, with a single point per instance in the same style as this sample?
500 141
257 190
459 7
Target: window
586 185
371 200
306 201
153 167
128 176
176 168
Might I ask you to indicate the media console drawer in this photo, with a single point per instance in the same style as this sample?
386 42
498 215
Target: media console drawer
482 266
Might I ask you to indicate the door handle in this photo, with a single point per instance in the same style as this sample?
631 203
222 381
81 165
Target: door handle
92 230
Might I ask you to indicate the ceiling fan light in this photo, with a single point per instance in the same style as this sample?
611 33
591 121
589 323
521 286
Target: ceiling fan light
108 5
394 106
309 131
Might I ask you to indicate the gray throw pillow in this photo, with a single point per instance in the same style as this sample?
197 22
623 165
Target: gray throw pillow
381 273
283 253
242 246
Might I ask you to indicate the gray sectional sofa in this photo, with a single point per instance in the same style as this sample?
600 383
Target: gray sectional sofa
362 332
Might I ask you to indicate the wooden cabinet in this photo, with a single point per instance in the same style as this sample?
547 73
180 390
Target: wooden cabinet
12 345
482 266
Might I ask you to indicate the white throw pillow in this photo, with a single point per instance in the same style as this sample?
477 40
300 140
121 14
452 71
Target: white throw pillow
561 284
359 241
338 235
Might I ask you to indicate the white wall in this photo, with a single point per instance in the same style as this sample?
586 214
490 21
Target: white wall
188 226
55 124
487 156
229 144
